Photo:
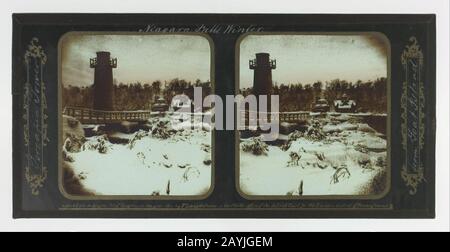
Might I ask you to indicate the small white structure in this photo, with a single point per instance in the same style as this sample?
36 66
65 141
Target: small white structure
321 105
159 105
344 104
181 103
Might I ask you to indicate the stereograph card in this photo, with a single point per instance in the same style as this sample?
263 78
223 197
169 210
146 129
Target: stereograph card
244 116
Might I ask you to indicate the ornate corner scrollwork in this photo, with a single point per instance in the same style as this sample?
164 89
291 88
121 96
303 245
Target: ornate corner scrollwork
412 104
35 117
36 181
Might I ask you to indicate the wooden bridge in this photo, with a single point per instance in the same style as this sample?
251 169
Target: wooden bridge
91 116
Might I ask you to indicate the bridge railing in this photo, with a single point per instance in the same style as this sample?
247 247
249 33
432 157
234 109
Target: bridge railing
296 116
101 116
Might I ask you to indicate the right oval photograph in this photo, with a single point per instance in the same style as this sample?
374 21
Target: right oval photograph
314 118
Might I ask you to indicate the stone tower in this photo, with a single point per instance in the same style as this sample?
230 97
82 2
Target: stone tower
262 77
103 81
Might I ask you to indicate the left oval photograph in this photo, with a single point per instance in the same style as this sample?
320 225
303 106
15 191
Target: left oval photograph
129 126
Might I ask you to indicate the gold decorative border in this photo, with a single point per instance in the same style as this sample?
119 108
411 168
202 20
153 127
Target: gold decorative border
412 180
35 180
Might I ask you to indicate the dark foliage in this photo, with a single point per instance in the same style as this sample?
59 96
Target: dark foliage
377 184
135 96
370 96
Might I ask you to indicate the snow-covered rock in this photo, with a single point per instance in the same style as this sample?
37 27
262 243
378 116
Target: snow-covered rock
255 146
72 127
100 144
329 128
73 135
364 127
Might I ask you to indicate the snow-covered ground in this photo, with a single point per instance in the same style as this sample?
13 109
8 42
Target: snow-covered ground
344 162
164 160
338 154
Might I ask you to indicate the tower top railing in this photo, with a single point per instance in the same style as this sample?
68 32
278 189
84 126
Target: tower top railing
93 62
273 64
112 62
252 64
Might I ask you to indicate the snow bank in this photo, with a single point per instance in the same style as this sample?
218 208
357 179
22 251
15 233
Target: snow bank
330 128
162 161
332 157
191 125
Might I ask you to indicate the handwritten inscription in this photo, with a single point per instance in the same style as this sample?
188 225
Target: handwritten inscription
202 28
35 128
413 120
35 124
412 126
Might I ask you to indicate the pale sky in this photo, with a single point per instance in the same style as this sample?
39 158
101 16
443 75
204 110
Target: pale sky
143 58
310 58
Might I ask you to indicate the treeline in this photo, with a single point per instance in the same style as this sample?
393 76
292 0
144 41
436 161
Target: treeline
134 96
370 96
